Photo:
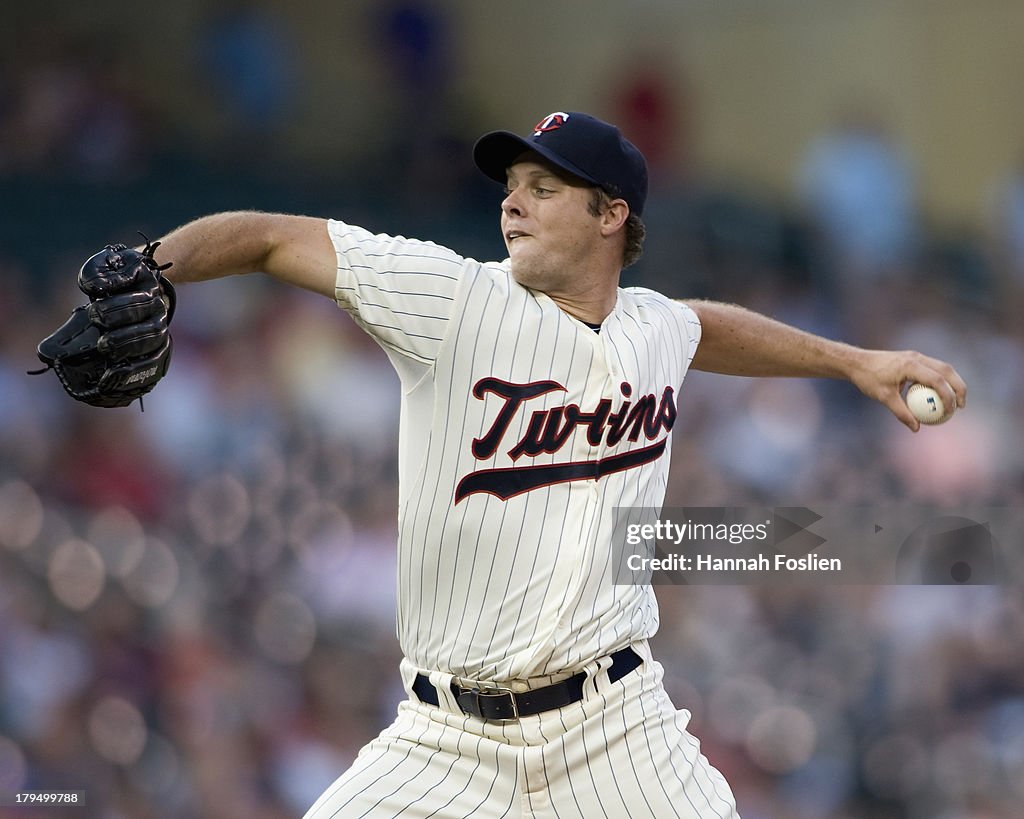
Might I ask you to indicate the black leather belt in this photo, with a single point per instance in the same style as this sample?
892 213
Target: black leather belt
495 702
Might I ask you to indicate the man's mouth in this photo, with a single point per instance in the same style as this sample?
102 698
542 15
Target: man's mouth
512 235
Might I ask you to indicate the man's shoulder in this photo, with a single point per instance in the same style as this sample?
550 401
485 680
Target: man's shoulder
644 297
652 307
361 249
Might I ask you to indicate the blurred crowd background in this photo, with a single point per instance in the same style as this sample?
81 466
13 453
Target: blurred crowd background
197 602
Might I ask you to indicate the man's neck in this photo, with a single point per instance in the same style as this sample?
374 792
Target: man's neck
590 309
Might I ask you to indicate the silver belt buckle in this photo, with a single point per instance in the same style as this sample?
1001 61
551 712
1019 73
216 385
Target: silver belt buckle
483 690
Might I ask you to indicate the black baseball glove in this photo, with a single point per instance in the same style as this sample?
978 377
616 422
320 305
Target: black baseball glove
116 348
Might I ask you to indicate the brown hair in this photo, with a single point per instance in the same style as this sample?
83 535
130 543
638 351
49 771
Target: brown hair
635 231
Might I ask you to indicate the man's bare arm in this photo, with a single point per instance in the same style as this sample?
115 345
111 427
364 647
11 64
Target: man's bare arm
737 341
293 249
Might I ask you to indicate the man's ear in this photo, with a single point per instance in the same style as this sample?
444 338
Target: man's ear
614 216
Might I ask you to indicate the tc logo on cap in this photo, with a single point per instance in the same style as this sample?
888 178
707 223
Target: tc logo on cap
551 122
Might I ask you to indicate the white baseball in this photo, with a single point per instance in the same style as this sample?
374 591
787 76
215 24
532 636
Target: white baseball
927 405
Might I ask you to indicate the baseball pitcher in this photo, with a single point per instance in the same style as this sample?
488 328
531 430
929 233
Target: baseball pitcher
537 397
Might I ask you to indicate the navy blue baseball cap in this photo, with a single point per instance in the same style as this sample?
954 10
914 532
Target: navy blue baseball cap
584 146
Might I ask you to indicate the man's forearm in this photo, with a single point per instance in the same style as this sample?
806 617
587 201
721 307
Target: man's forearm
223 244
293 249
737 341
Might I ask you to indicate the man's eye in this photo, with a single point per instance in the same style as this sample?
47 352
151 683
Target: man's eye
543 191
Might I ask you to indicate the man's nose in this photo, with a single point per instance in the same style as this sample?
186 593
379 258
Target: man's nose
512 204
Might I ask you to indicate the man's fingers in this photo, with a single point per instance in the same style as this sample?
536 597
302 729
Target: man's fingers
889 374
900 409
945 380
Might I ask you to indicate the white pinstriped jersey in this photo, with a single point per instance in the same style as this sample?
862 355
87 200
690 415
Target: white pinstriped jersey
522 430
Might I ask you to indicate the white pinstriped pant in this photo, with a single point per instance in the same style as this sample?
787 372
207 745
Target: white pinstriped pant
622 752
